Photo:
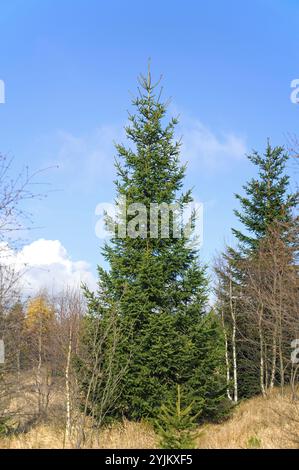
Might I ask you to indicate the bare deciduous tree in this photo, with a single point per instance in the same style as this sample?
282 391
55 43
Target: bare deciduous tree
226 306
272 303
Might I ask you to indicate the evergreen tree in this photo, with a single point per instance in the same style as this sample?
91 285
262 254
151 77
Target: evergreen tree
267 201
177 425
265 205
158 283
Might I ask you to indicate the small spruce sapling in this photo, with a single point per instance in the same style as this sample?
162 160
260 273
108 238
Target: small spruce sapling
176 426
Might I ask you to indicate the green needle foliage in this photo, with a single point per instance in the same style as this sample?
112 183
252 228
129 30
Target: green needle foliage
158 284
176 425
266 201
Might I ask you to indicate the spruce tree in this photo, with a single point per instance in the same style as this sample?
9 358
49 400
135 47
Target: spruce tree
267 201
176 425
265 205
158 283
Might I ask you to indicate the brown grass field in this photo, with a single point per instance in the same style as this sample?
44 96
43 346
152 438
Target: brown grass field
256 423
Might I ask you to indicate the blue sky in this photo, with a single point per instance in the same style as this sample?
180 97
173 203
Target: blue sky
70 70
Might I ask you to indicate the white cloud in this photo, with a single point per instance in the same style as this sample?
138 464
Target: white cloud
91 155
86 159
46 264
203 147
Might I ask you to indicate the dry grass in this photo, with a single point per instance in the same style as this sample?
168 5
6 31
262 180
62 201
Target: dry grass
258 422
126 436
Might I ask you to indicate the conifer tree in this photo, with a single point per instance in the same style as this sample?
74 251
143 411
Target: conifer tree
267 201
266 205
176 425
157 282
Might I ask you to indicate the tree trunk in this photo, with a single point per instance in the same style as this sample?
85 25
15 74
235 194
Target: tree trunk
262 362
67 389
235 371
226 360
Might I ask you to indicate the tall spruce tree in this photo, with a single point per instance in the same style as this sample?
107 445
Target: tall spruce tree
267 201
265 205
158 283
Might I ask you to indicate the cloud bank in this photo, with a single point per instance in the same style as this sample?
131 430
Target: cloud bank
202 146
46 264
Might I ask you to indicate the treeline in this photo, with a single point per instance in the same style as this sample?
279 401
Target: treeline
148 344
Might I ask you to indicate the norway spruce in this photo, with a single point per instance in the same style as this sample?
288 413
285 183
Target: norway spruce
176 425
266 201
157 282
266 204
